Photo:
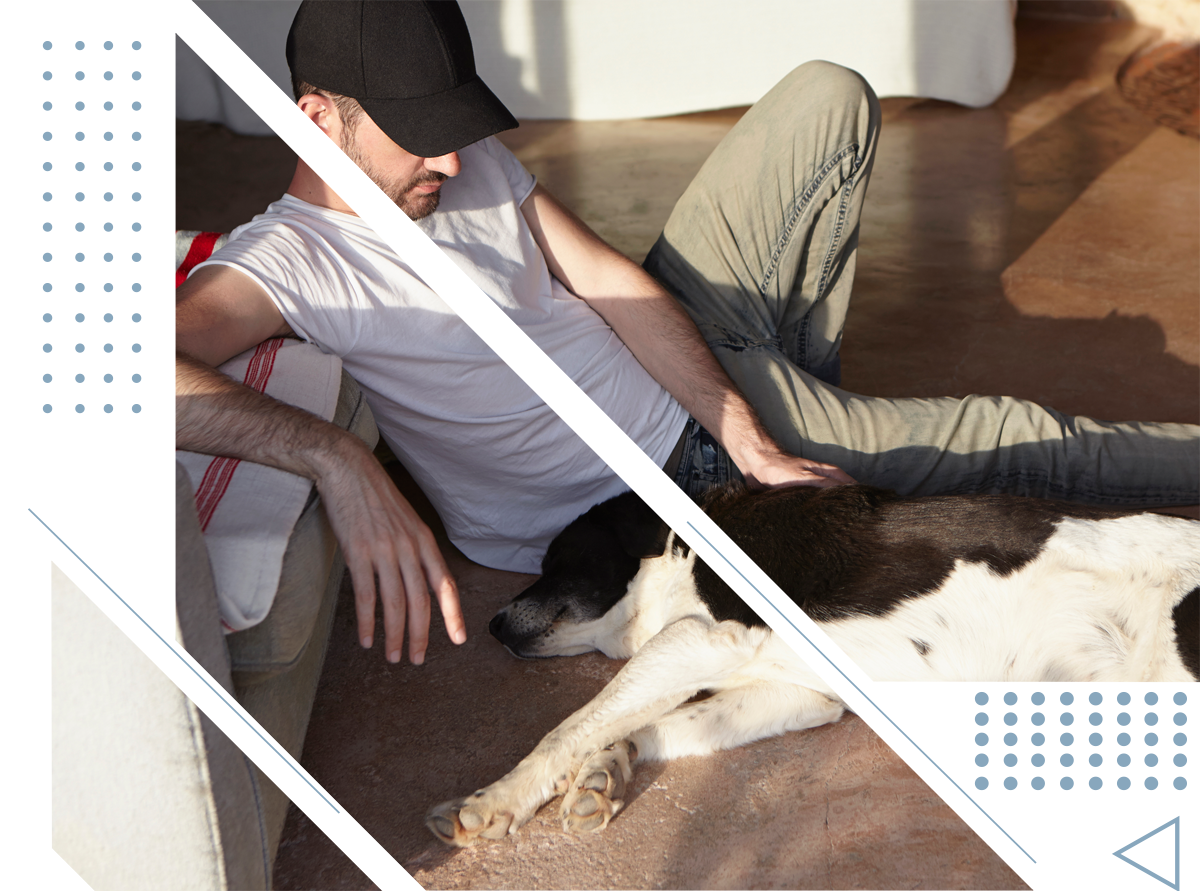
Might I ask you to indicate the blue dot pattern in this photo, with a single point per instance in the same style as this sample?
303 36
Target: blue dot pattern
1109 764
93 137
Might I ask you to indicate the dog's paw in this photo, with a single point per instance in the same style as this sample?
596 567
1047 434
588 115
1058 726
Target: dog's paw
465 821
599 789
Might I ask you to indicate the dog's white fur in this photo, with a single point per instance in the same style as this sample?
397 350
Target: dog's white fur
1177 20
1095 605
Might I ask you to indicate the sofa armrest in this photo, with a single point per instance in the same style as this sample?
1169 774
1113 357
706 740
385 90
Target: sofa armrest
147 792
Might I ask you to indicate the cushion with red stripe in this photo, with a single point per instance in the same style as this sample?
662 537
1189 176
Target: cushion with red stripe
193 248
248 511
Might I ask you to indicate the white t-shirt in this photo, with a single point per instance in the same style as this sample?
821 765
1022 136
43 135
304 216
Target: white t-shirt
504 472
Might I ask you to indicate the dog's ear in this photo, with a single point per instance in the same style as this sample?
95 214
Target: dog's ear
637 528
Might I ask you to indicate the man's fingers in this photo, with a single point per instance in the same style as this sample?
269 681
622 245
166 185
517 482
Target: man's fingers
823 482
447 596
385 540
818 476
391 592
839 476
444 588
362 578
418 611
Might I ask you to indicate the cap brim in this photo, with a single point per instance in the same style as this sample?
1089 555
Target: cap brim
435 125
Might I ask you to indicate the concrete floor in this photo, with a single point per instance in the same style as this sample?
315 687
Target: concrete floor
1046 247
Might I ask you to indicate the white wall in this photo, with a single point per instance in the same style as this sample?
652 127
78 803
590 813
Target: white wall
603 59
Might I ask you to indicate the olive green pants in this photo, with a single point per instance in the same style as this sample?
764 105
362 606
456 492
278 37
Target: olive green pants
760 250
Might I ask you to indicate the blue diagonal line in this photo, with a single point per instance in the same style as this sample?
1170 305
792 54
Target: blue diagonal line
219 691
863 694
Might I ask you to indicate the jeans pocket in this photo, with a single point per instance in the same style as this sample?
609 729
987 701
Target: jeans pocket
704 462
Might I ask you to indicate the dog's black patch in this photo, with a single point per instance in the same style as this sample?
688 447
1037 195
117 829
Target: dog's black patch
837 552
1187 631
921 646
859 550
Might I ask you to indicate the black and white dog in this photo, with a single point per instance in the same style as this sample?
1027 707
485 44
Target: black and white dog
973 588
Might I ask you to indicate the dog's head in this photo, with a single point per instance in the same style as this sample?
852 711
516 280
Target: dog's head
585 572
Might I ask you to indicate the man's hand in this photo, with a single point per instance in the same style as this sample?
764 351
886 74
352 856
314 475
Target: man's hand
383 538
783 469
380 534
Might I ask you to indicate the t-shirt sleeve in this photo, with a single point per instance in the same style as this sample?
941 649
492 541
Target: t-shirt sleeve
520 180
280 260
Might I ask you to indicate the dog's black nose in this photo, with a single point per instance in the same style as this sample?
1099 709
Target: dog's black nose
496 625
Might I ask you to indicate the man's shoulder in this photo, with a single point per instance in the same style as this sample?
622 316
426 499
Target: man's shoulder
281 247
287 212
291 225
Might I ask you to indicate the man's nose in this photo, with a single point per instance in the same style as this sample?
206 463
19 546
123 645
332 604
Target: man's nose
447 164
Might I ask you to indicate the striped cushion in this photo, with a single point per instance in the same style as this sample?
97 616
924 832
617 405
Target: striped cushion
248 511
192 249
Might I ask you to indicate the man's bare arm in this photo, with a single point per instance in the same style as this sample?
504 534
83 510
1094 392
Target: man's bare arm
665 340
221 312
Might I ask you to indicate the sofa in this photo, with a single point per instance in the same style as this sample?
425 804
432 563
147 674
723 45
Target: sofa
147 792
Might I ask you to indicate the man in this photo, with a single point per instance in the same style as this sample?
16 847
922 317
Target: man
758 258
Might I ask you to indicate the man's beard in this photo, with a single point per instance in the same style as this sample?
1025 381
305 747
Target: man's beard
414 206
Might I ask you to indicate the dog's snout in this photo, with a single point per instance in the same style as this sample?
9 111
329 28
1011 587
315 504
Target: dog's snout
496 626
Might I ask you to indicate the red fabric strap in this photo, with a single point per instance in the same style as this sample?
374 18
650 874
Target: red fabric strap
220 472
201 249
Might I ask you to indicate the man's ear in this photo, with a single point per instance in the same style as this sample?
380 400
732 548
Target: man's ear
322 112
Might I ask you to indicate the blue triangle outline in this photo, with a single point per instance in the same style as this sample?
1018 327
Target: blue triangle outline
1121 854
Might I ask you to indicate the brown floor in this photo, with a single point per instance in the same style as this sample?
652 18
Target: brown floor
1046 247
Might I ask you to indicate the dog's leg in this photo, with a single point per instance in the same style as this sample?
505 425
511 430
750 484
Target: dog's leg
686 656
727 719
734 717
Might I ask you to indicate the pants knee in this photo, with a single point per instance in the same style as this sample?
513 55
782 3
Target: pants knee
824 89
840 84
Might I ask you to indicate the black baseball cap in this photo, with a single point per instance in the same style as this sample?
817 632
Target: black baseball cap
409 63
